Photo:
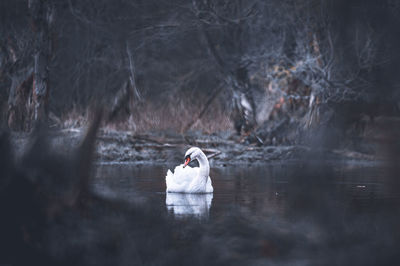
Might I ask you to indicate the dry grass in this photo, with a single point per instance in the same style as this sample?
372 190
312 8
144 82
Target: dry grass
74 119
150 116
174 116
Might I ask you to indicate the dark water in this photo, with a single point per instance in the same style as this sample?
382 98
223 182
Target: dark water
257 190
282 214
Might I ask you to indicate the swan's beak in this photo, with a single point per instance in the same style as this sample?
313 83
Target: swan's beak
187 161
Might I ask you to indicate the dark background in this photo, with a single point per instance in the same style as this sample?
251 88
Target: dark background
175 54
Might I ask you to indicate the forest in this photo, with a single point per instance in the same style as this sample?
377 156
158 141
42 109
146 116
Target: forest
294 106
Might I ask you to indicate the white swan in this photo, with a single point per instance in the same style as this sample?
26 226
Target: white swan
186 179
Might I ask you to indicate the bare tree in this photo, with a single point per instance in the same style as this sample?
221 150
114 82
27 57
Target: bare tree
18 70
27 66
42 16
231 19
253 56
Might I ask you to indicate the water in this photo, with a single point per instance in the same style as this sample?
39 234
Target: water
256 190
281 214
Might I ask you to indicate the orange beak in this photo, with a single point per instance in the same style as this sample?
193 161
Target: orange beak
187 161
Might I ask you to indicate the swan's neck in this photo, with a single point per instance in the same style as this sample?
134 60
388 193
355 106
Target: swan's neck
204 166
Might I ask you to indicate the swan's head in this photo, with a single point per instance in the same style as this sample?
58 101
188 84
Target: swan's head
192 154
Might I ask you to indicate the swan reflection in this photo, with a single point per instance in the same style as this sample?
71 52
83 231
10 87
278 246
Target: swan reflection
184 204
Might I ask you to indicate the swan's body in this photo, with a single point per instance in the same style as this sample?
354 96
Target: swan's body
186 179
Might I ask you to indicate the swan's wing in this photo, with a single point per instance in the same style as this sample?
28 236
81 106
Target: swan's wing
180 180
172 184
184 175
209 187
169 179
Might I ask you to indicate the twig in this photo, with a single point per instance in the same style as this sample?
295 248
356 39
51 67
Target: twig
213 155
144 138
214 152
205 107
132 73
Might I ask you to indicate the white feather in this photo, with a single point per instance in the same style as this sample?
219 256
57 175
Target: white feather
190 179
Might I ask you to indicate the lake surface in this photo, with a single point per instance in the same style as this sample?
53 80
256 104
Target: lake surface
256 189
289 214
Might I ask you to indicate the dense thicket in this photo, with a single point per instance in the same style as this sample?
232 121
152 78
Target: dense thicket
251 61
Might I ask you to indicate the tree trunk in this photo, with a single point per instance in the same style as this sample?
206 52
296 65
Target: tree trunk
313 118
18 103
41 19
236 77
20 92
